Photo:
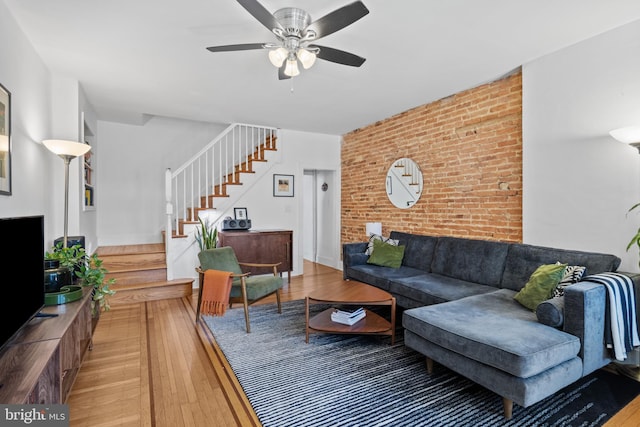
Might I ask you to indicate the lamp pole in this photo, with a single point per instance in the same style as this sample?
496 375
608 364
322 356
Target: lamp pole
67 159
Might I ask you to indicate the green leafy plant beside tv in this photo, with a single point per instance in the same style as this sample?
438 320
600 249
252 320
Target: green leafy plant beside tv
206 235
88 270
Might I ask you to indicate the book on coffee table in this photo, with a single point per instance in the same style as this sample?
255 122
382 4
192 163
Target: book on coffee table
348 317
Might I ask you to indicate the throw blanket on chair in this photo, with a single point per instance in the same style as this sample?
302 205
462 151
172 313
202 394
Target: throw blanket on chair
215 292
621 328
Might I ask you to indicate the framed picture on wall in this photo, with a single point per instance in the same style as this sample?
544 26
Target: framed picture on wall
5 141
240 213
282 185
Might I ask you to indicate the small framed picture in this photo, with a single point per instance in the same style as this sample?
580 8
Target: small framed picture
5 141
282 185
240 213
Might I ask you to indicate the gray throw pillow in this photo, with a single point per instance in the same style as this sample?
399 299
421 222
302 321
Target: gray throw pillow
551 312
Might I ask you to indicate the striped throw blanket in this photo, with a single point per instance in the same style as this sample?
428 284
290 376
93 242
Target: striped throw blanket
621 328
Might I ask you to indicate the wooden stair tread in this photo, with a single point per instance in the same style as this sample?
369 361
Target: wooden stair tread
148 285
141 267
130 249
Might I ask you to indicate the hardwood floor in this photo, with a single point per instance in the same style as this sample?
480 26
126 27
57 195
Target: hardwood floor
151 366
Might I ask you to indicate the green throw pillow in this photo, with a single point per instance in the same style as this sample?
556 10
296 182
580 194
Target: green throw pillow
387 255
540 285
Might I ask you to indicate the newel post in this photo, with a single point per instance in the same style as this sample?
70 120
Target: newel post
168 226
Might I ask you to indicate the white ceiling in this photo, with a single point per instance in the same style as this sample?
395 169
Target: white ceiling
135 58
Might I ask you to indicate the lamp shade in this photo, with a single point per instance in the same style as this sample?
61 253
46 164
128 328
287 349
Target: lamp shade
307 59
62 147
277 56
291 69
4 143
628 135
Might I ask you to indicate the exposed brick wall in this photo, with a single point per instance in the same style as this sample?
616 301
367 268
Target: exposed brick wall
469 148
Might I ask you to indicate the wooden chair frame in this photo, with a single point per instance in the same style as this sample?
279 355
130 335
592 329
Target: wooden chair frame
243 286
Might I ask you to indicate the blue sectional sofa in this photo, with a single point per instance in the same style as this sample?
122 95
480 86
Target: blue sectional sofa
460 311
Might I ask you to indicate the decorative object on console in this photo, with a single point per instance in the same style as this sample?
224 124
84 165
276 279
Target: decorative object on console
282 185
5 141
56 276
240 213
236 224
89 273
404 183
295 32
67 151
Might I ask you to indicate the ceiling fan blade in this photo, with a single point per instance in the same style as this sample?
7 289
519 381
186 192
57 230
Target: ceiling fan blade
338 19
234 47
259 12
339 56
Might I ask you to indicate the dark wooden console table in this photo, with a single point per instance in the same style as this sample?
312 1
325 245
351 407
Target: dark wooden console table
262 247
41 362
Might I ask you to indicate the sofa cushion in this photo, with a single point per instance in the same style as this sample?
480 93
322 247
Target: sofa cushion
496 330
380 276
418 249
478 261
378 238
386 255
435 288
572 274
551 312
540 285
522 260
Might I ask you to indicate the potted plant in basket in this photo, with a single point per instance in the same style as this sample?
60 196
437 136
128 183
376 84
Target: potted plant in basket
88 270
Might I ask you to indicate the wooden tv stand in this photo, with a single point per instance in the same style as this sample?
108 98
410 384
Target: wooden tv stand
41 362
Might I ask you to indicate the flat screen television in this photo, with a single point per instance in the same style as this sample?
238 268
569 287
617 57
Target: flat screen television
21 271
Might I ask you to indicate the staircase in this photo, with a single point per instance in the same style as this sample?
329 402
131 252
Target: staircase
141 274
207 186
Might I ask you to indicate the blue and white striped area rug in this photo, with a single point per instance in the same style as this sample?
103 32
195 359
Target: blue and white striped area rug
352 380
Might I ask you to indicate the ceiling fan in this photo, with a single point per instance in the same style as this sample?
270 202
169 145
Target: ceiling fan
296 35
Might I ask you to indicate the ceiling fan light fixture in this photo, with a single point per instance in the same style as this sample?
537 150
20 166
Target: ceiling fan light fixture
291 69
277 56
307 59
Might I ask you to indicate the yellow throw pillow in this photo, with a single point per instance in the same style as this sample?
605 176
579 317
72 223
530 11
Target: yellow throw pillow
540 285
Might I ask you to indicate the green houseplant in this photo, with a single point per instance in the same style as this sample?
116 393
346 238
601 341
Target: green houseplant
88 270
635 240
206 235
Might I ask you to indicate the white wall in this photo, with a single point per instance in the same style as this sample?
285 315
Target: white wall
132 160
23 73
578 181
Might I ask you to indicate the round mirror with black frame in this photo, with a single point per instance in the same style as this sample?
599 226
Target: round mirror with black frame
404 183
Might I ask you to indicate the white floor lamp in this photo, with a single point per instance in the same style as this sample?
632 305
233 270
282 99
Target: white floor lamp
67 151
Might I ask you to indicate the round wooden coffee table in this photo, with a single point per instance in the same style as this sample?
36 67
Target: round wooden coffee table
351 293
